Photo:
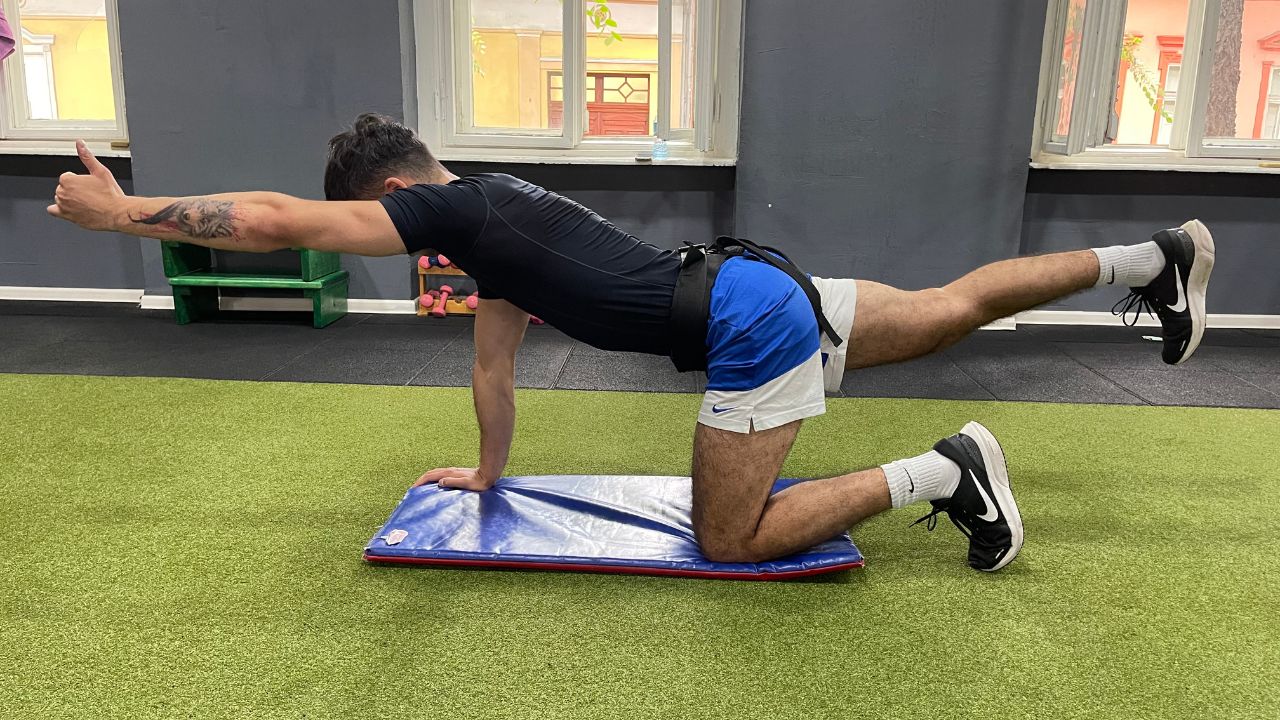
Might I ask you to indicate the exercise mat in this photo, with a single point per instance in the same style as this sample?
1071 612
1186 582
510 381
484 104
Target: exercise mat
592 523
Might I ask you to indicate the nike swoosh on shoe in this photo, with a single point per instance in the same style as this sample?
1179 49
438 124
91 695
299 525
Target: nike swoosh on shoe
991 513
1181 305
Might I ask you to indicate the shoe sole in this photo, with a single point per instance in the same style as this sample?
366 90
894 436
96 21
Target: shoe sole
1198 282
998 473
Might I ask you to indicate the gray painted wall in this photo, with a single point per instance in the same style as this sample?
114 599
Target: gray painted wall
888 140
227 96
664 206
1068 210
38 250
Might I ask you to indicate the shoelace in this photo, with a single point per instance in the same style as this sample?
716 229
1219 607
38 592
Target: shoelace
962 524
931 521
1137 303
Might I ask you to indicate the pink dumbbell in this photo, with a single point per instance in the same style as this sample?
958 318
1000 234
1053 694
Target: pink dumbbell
536 320
442 261
427 300
473 301
439 309
424 262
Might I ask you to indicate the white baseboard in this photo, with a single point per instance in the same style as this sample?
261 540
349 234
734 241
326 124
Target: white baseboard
264 304
71 294
1001 324
156 302
383 307
354 305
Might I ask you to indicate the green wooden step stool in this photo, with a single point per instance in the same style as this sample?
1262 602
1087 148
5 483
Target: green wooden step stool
195 284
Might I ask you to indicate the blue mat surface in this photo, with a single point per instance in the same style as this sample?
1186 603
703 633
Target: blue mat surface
594 523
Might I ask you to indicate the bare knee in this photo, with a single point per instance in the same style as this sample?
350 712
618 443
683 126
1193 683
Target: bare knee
955 316
729 550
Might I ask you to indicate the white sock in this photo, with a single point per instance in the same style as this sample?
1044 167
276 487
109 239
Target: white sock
1129 265
925 477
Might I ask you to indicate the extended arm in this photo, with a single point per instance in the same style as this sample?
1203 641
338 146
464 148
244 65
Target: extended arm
245 222
499 331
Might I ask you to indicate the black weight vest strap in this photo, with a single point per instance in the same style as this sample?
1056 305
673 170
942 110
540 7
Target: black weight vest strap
691 301
691 307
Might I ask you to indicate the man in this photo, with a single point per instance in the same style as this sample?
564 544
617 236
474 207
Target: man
532 251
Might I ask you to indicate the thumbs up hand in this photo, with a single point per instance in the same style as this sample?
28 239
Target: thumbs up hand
93 201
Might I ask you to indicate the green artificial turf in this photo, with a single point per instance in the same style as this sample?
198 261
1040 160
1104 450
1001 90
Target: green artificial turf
181 548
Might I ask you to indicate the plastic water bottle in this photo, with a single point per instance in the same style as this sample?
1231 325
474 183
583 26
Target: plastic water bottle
659 145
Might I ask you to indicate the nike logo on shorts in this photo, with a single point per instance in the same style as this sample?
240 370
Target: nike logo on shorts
717 409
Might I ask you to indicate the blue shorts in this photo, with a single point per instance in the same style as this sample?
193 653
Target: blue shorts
765 359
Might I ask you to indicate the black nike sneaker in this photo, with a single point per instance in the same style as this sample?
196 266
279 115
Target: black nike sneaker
982 506
1176 296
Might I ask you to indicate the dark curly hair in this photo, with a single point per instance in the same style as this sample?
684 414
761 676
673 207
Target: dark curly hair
374 149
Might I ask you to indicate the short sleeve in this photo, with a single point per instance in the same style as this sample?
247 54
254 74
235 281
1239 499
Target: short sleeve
444 218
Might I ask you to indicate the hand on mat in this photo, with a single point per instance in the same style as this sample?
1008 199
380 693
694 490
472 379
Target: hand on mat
90 201
460 478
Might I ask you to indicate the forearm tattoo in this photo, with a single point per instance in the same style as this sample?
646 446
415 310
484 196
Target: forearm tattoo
197 218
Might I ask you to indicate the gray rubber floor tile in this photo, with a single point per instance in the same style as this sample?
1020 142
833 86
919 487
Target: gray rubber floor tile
230 360
538 362
1127 356
1118 333
1241 359
595 370
1268 336
1266 381
1231 337
1032 363
29 330
371 354
457 322
1036 374
932 377
1206 388
1086 333
451 367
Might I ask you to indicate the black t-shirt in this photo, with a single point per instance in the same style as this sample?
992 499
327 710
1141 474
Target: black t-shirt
547 255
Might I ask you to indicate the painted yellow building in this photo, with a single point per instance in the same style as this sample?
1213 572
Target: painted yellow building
516 73
78 59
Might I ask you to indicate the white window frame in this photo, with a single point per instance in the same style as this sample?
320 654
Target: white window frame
1167 97
443 46
20 134
1086 146
1273 98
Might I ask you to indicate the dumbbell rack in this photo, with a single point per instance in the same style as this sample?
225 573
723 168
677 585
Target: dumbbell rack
454 306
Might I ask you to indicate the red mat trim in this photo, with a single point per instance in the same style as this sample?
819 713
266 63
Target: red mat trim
612 569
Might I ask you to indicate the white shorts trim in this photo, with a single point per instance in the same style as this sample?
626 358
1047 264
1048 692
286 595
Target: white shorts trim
839 301
793 395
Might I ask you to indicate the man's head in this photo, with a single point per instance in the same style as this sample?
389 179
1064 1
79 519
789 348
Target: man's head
376 156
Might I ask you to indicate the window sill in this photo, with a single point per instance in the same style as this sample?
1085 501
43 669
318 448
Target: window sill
100 148
1156 160
533 159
